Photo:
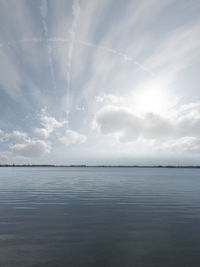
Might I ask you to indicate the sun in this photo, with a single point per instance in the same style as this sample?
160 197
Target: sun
153 96
151 99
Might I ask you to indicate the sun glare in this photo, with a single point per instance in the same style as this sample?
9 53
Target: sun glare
152 97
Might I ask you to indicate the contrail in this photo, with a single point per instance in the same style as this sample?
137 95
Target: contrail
118 53
43 12
58 40
72 38
88 44
24 40
34 40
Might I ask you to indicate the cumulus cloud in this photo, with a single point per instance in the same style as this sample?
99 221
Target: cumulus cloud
17 136
31 148
49 125
72 138
42 132
20 144
128 127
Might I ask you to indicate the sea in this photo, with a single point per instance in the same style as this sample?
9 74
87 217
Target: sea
99 216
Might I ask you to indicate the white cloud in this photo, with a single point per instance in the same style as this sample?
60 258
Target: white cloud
128 127
186 144
32 148
72 138
49 125
111 119
42 132
17 136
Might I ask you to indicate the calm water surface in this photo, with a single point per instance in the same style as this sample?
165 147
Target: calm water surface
99 217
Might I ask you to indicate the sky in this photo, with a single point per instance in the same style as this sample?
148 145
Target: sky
100 82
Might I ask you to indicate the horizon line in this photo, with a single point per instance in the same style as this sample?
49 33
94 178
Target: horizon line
100 166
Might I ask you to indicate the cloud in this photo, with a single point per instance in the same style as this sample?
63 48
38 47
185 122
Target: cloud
43 9
128 126
10 81
31 148
72 138
42 132
108 99
177 50
41 98
44 12
111 119
79 108
21 27
112 49
186 144
49 125
17 136
4 157
161 54
118 53
72 35
115 54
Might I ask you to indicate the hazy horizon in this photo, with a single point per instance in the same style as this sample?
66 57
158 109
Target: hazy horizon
100 82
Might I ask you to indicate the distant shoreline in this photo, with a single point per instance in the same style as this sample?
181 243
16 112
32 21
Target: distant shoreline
102 166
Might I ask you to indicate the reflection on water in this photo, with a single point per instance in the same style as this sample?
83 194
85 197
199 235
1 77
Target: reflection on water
99 217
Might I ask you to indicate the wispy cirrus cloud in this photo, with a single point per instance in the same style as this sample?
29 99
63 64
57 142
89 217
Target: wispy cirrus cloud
44 12
177 50
72 36
10 81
